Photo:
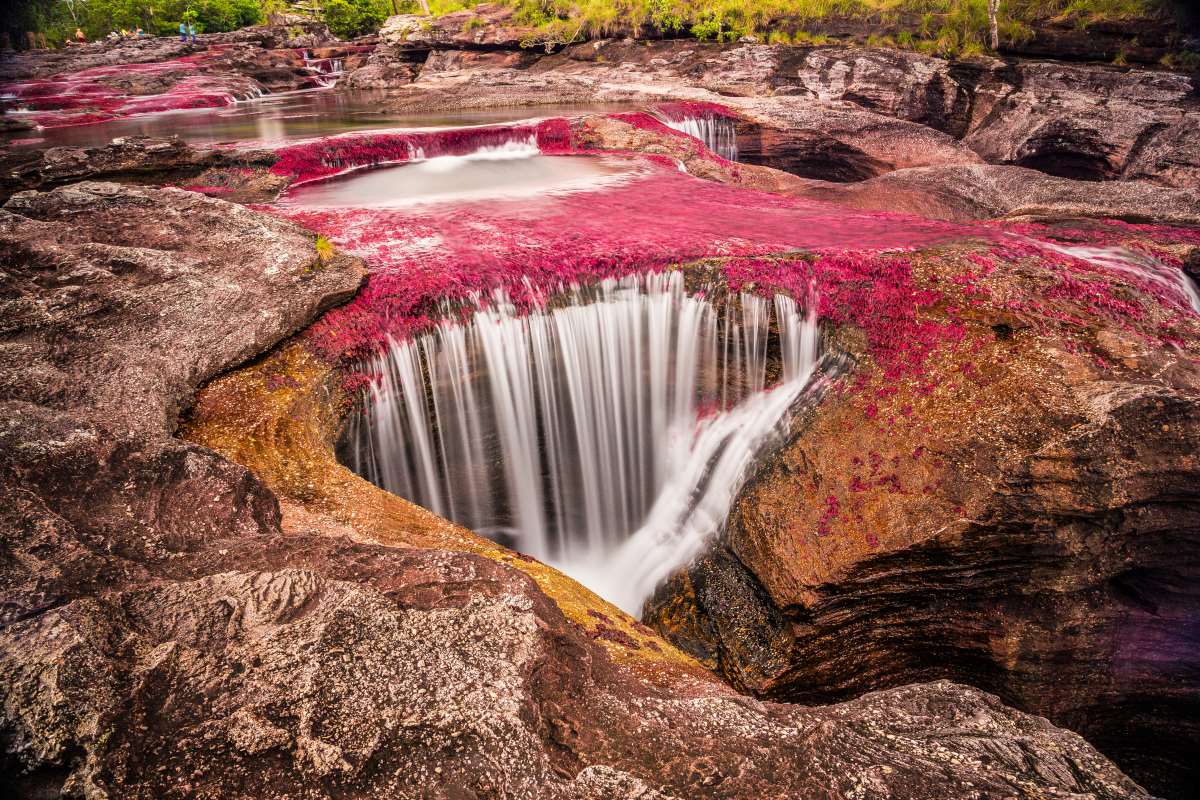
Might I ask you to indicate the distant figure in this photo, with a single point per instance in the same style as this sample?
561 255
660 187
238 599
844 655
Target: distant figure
192 31
183 31
139 32
79 37
31 39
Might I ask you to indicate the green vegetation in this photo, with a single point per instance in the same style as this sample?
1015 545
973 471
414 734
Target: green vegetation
58 19
350 18
325 250
946 27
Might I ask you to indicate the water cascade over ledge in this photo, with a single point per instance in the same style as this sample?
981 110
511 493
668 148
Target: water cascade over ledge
717 131
607 435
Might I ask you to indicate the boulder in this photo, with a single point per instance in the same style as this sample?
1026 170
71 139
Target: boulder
113 304
1096 124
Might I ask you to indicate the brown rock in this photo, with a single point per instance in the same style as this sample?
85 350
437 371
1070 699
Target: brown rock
122 277
1030 528
985 191
1096 124
131 159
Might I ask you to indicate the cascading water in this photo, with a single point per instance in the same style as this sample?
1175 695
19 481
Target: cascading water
1172 279
718 133
325 71
607 436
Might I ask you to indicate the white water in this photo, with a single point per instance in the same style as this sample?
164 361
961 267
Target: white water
512 149
717 133
579 434
325 71
1139 265
513 169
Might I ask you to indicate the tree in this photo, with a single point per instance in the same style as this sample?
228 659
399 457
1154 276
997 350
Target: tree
993 25
71 8
350 18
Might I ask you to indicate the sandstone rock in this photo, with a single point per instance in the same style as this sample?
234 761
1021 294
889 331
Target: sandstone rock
986 191
488 26
1031 530
162 639
895 83
385 68
123 277
1095 124
133 158
837 140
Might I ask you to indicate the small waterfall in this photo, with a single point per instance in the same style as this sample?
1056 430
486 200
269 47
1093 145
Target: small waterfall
607 435
718 133
1172 279
520 146
325 71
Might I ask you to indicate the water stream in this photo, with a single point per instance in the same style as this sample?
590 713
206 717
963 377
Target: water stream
607 435
291 115
718 133
511 170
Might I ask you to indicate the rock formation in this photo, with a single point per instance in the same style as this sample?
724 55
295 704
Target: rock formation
162 638
840 113
1020 517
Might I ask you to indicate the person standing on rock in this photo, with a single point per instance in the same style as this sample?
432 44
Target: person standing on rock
183 31
192 31
79 37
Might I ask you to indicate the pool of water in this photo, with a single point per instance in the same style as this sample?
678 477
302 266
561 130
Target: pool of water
293 115
513 170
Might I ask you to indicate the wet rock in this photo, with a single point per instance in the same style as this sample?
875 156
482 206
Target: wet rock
1024 519
135 158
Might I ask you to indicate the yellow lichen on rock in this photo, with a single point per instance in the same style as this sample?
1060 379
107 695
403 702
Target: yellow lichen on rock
279 417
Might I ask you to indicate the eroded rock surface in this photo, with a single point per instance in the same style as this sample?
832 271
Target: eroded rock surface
988 191
1023 516
123 299
828 112
136 159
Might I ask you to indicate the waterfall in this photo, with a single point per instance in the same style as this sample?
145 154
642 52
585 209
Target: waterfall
718 133
520 146
325 71
607 435
1172 279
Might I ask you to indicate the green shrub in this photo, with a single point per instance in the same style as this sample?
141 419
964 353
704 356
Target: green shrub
350 18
